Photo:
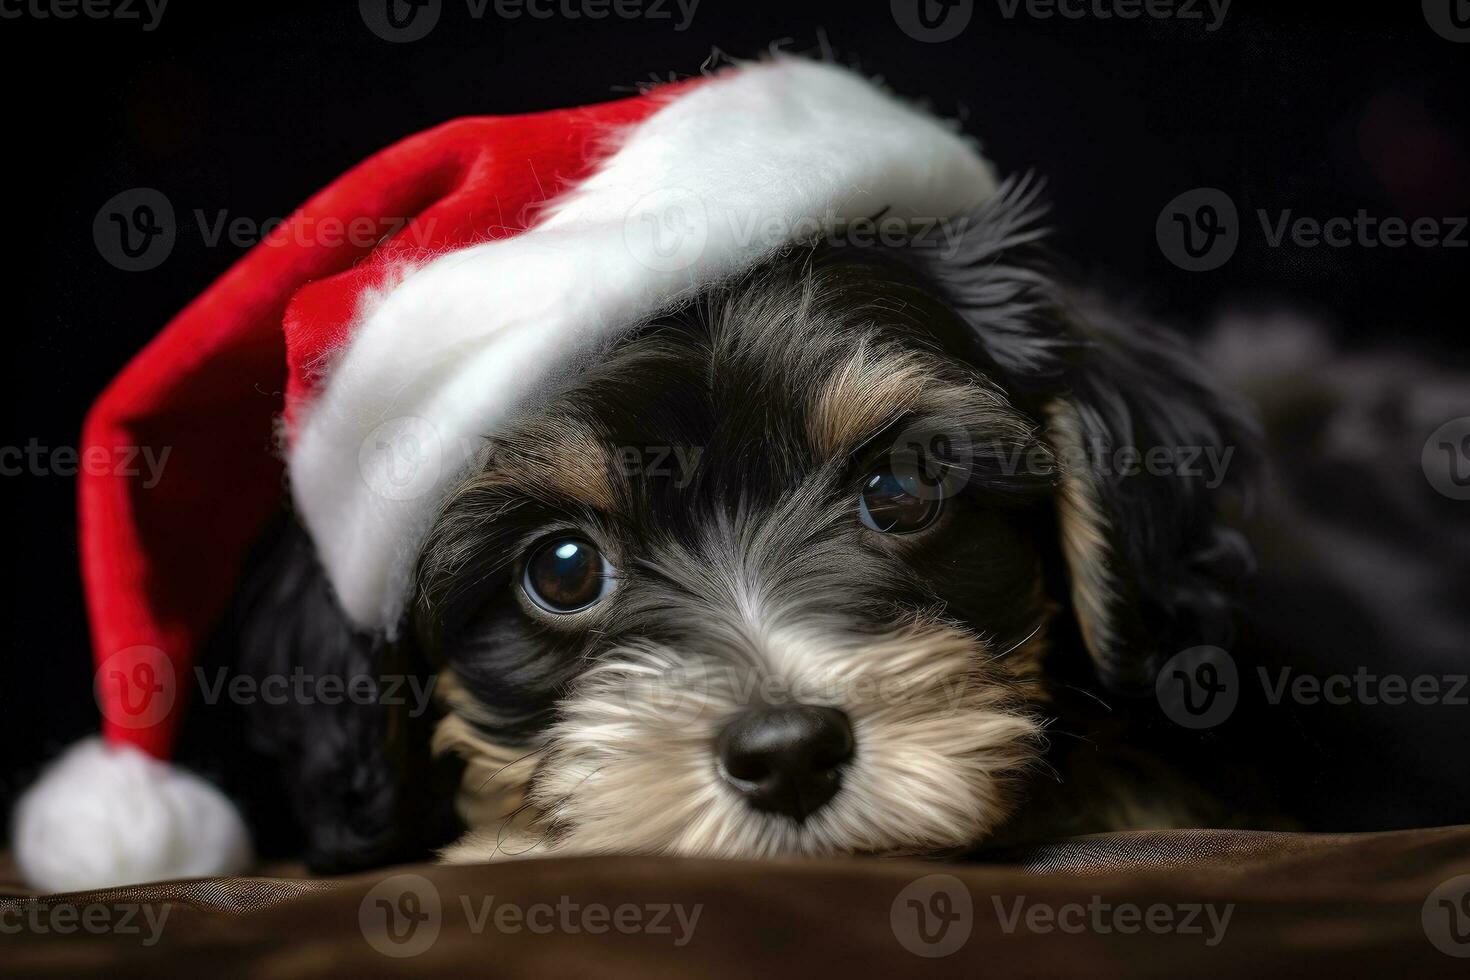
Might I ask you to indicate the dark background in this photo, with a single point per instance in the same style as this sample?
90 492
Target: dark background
249 107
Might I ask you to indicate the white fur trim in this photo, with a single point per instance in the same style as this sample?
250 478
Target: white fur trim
727 174
106 815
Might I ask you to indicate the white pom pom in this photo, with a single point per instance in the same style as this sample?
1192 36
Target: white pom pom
105 815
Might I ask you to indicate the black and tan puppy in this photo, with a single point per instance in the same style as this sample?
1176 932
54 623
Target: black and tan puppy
814 563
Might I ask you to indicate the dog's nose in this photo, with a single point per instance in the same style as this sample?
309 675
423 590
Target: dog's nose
787 758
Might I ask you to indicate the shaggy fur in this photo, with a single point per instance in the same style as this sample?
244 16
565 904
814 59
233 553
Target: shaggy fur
715 456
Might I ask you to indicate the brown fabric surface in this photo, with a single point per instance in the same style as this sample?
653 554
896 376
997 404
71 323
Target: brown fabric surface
1298 905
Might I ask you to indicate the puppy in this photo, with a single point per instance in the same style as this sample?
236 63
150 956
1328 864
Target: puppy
820 561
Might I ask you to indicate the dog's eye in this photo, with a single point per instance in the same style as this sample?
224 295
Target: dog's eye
895 504
567 574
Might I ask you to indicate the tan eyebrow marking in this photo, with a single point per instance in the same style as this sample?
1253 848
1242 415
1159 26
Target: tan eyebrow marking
878 384
868 391
563 456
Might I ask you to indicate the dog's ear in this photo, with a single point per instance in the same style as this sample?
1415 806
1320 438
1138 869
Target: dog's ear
351 732
1149 560
1153 461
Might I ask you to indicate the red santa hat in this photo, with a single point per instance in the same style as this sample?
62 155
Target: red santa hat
379 335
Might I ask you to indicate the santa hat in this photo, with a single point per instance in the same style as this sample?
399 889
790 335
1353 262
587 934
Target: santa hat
385 329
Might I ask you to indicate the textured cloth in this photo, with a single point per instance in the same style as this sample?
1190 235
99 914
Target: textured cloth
1221 903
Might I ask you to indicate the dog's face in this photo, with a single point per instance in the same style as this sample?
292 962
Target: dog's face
790 570
764 580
